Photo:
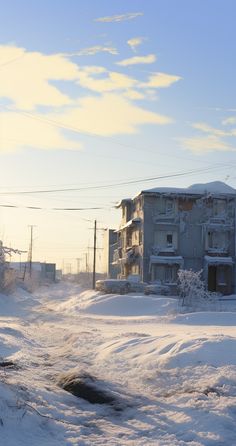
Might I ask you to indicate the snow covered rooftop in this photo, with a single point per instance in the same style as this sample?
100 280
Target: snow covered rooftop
214 187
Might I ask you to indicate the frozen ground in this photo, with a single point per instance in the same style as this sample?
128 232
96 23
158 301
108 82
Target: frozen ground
175 373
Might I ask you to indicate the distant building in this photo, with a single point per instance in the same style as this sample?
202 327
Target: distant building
164 229
40 271
110 243
59 274
48 271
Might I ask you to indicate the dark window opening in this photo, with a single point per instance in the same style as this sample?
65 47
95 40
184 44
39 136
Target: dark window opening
169 239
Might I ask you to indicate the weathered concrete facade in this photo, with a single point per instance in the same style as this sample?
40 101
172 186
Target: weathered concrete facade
165 229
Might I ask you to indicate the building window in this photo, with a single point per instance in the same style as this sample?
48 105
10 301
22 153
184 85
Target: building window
165 239
170 275
219 207
169 239
221 276
169 206
218 240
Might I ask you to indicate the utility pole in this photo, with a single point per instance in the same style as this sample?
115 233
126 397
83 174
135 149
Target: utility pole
78 267
86 262
68 268
31 249
94 253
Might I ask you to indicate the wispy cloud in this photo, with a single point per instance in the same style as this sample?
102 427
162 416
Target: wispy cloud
135 42
30 132
161 80
110 82
28 83
136 60
203 127
134 94
218 109
94 115
204 144
119 17
229 121
91 51
115 81
212 140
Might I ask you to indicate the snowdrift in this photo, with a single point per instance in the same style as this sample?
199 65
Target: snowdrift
120 305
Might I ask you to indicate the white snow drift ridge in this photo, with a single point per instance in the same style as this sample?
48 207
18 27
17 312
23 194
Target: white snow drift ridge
129 305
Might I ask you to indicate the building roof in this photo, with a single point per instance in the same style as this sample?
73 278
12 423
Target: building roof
214 187
123 201
218 188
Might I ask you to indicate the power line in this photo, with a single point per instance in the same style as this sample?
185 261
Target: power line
105 186
92 134
50 209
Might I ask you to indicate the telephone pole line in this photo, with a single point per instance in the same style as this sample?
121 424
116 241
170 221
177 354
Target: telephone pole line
94 253
31 249
78 265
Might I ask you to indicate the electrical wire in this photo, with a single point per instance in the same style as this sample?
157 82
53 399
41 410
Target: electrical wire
50 209
92 134
122 183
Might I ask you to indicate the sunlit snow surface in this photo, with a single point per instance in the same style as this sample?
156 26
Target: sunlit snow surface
176 372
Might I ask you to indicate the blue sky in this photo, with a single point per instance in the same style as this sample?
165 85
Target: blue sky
97 92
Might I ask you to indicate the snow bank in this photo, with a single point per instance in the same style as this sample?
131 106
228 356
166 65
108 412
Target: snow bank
171 351
16 304
178 375
120 305
206 318
216 351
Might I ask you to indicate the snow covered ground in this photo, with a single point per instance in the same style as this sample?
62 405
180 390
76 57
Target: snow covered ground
175 373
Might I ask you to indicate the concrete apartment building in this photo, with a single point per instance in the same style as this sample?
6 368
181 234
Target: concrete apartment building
164 229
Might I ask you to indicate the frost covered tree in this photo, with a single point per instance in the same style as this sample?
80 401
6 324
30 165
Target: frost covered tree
7 278
191 287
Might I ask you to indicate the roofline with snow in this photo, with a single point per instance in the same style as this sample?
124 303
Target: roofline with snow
186 193
122 202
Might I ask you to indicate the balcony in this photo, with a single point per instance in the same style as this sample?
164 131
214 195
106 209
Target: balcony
130 223
117 256
218 251
163 250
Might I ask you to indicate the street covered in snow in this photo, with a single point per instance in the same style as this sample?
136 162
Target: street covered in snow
172 372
